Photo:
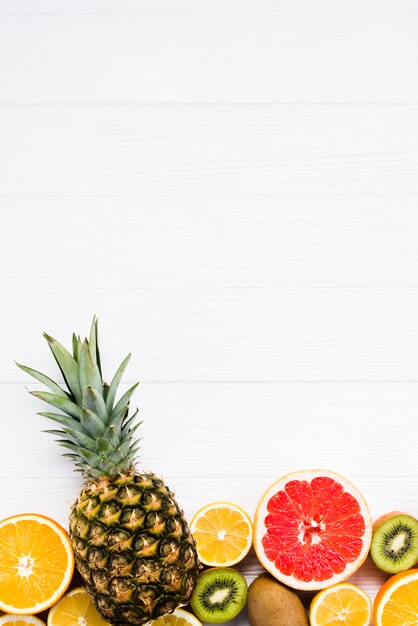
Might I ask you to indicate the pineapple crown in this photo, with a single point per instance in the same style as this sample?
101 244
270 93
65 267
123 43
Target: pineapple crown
97 429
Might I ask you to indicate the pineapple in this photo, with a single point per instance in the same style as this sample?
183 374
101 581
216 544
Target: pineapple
132 545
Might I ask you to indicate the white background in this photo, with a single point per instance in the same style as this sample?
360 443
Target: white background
231 185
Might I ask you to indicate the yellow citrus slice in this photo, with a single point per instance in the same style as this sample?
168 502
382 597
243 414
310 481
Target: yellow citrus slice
341 604
21 620
73 609
37 563
177 618
223 534
396 604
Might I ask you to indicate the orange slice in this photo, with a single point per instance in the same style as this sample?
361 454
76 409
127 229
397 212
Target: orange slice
223 534
73 609
396 604
341 604
37 563
21 620
177 618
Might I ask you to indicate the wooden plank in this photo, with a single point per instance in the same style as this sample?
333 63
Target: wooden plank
264 7
196 57
208 150
224 334
258 432
199 242
250 435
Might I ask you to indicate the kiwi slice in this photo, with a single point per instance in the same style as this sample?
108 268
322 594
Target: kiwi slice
394 545
220 595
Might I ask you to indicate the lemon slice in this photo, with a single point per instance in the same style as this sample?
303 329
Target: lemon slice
73 609
341 604
223 533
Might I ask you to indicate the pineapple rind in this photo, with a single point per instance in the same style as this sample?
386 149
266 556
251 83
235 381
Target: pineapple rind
133 548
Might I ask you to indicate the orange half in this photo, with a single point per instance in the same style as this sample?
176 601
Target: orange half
37 563
341 604
223 534
73 609
396 604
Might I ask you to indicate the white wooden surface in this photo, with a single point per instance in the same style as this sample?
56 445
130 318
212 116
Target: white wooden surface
232 187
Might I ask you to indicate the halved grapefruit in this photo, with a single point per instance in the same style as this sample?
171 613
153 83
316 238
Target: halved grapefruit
312 529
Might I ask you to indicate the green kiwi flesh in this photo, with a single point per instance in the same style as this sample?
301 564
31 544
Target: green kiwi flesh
220 595
394 545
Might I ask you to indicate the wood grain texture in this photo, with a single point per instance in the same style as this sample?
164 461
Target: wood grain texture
241 335
207 150
201 242
198 57
265 7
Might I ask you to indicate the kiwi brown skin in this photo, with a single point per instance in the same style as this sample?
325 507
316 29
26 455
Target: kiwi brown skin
269 603
383 518
385 528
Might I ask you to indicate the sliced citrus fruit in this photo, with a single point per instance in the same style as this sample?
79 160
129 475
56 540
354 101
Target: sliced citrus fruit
312 529
21 620
177 618
37 563
343 603
396 604
75 609
223 534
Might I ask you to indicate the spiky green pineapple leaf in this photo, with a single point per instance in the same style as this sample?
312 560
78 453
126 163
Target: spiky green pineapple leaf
78 437
59 402
64 420
51 431
85 453
118 419
88 372
68 366
105 391
131 431
97 432
124 401
77 345
94 343
93 401
92 423
48 382
111 435
111 395
127 426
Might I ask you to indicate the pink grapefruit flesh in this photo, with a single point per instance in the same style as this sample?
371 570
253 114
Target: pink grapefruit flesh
312 529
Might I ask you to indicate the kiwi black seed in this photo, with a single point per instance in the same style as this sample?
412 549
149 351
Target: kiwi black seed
394 545
220 595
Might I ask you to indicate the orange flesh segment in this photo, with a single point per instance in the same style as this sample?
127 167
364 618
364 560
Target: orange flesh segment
402 606
222 535
33 563
345 606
